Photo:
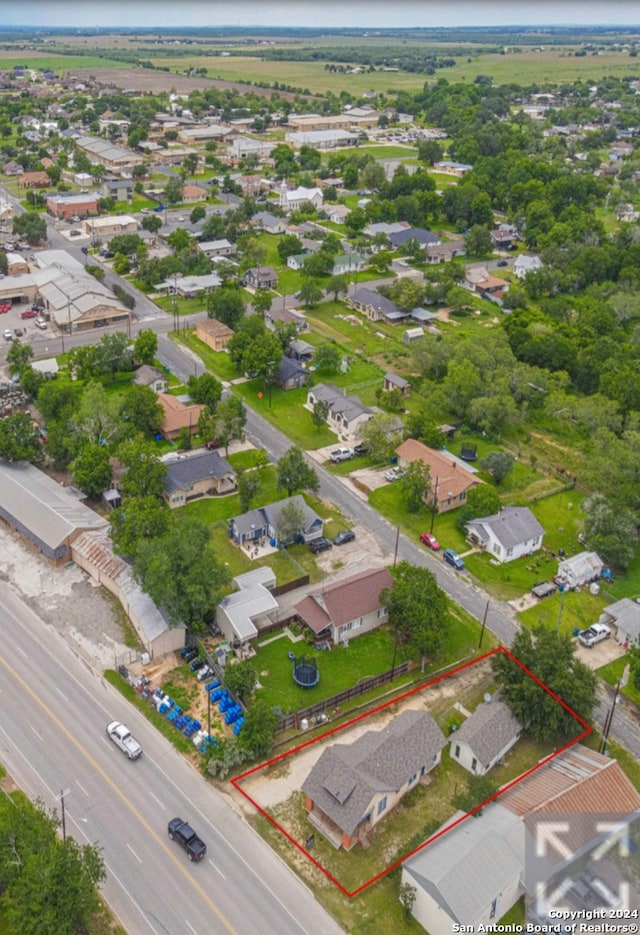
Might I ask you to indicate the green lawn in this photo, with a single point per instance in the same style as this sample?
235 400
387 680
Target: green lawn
613 671
244 460
285 411
211 510
389 501
283 565
216 361
367 655
381 151
182 306
578 611
509 580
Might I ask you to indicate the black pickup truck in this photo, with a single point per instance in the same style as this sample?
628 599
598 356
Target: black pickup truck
184 834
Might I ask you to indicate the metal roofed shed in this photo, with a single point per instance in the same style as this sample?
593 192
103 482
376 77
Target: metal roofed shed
580 569
239 615
42 511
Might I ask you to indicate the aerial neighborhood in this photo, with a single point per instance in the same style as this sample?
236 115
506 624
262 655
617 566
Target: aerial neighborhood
319 421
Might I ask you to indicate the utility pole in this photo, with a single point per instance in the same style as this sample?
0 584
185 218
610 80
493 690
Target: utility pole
563 590
395 553
484 623
622 681
434 504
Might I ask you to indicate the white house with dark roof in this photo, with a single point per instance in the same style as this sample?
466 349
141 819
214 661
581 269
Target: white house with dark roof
525 264
348 607
624 617
353 786
485 737
508 535
203 474
375 306
346 413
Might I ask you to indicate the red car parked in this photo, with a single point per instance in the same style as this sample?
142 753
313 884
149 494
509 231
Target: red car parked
30 313
5 307
428 539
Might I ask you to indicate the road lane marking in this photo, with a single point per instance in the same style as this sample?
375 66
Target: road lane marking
22 652
216 868
250 867
134 854
118 792
190 926
161 804
38 735
82 788
63 696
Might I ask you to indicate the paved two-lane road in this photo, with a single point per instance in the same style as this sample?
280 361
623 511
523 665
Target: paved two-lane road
54 711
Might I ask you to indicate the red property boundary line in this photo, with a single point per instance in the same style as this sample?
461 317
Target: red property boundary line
237 780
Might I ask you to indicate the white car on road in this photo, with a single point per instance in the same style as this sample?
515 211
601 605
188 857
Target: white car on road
124 740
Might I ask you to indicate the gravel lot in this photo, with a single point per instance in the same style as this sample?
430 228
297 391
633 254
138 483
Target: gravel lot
65 599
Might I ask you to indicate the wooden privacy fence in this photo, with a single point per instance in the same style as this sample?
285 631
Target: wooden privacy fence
289 721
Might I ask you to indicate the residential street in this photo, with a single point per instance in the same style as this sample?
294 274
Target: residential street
52 739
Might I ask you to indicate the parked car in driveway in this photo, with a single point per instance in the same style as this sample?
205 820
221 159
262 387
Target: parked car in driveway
41 324
341 454
347 535
360 449
452 558
5 307
428 539
594 634
320 545
29 313
394 474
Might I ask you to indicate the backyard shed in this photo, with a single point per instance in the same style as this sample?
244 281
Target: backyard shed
412 334
579 569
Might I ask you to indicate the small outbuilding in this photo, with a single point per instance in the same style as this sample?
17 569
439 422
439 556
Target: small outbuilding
485 737
580 569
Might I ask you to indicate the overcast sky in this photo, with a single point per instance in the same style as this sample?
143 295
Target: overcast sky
362 13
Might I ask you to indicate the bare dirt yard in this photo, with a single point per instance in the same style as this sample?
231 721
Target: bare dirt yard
88 618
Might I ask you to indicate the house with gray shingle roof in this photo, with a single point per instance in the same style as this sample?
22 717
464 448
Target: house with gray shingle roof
624 617
346 413
355 785
508 535
265 522
485 737
191 477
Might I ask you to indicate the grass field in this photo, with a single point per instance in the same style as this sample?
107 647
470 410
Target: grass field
58 63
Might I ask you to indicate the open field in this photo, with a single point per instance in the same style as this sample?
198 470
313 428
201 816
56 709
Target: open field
555 64
58 63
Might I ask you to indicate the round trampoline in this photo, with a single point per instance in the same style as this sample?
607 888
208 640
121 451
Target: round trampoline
305 671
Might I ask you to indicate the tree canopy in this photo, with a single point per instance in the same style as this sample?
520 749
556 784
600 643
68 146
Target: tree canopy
550 656
417 609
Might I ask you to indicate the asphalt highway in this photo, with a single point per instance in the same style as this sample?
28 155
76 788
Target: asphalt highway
54 710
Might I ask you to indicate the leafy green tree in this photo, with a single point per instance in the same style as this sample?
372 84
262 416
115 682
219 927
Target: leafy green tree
320 412
492 414
141 410
19 438
241 679
173 191
179 240
181 573
415 484
114 353
294 474
327 357
31 226
478 241
226 304
152 223
550 655
338 285
205 390
18 356
254 349
49 884
611 532
97 417
407 895
259 729
121 264
197 214
290 523
381 437
126 244
288 245
31 380
145 346
248 488
92 470
498 464
262 301
310 293
417 609
483 500
142 518
57 399
145 473
231 418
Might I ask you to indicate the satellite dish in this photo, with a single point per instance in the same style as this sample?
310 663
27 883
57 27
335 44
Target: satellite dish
487 697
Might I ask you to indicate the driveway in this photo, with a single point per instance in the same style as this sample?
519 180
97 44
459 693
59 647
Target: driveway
600 654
